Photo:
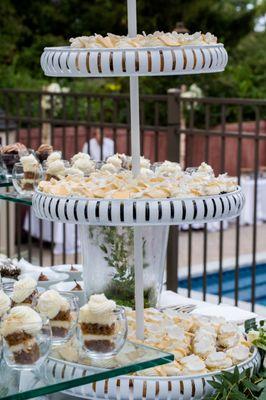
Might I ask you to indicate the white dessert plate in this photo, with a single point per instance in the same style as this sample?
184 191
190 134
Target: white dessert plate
66 268
53 277
66 287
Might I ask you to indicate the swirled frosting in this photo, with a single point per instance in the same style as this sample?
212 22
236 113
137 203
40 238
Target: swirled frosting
23 289
21 318
98 310
50 303
85 165
5 303
80 155
54 156
29 163
56 168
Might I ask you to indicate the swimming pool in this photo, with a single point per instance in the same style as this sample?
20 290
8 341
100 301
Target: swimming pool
228 285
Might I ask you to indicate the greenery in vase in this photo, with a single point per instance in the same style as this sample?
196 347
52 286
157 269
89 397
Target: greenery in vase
117 245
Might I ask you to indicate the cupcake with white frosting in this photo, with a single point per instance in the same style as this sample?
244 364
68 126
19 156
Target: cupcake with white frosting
54 156
55 170
86 165
98 323
24 292
19 329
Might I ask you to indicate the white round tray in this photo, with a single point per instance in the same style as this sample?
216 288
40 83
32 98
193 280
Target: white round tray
128 387
181 60
134 212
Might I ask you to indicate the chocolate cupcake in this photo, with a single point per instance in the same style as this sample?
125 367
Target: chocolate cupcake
43 152
11 153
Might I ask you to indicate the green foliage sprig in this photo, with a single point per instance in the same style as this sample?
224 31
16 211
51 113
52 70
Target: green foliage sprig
238 386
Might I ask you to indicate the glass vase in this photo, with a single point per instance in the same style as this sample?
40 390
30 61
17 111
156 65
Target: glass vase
108 262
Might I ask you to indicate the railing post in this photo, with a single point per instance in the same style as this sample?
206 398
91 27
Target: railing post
173 146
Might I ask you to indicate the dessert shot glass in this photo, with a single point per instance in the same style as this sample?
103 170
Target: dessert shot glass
30 300
63 325
104 340
26 345
25 182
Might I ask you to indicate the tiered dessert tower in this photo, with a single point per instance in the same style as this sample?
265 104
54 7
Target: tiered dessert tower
135 62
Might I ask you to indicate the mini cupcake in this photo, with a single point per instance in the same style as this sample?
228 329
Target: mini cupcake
11 154
80 156
98 323
43 152
55 170
19 329
54 156
218 361
24 292
5 303
55 307
85 165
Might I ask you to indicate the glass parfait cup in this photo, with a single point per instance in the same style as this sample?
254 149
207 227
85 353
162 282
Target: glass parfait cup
63 325
101 341
25 182
26 347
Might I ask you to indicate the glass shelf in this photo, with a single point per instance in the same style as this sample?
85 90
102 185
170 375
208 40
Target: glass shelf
57 375
15 198
5 183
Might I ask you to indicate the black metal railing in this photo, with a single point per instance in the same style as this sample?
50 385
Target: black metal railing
230 134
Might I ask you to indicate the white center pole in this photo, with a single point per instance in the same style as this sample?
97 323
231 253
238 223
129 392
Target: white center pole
135 151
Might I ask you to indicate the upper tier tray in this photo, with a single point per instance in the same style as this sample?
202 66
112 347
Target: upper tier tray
133 212
105 62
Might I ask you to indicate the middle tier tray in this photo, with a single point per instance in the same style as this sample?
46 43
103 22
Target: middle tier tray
133 212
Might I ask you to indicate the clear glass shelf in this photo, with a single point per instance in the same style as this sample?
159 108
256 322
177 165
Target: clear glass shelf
57 375
15 198
5 183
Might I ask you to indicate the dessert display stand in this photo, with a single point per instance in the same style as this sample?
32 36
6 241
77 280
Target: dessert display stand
133 62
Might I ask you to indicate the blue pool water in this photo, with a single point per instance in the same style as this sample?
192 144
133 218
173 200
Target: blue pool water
228 285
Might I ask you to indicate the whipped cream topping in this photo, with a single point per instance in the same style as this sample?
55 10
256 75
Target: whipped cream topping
85 165
74 172
56 168
29 163
5 303
98 310
50 303
54 156
115 160
23 289
79 156
21 318
218 360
